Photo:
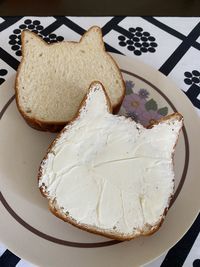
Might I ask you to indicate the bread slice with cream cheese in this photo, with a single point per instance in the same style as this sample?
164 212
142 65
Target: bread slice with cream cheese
109 175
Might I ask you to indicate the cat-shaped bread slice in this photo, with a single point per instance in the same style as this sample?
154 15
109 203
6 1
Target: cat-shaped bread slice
109 175
52 79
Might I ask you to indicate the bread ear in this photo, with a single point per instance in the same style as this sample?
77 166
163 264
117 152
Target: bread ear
168 127
31 42
174 120
93 38
96 102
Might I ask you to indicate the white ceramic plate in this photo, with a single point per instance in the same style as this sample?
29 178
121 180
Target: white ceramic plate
33 233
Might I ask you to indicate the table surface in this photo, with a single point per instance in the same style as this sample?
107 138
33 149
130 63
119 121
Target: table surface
173 48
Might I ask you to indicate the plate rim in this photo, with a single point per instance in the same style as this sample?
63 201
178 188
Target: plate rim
153 70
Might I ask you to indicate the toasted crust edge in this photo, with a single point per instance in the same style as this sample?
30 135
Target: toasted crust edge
104 233
176 115
54 126
91 229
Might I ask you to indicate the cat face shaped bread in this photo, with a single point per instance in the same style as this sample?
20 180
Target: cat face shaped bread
109 175
52 79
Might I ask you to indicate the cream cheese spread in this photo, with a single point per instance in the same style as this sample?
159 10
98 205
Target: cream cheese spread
106 171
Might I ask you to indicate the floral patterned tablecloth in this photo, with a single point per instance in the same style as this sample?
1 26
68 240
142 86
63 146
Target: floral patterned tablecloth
171 45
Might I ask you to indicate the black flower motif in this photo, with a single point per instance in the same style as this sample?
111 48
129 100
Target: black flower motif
192 77
140 42
34 26
3 72
193 80
196 263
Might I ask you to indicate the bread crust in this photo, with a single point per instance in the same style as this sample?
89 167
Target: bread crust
103 233
109 234
174 115
54 126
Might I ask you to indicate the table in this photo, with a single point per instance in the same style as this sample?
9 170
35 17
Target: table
171 45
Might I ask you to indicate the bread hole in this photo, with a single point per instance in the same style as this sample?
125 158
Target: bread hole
114 227
40 54
67 213
101 66
83 51
117 81
28 41
28 110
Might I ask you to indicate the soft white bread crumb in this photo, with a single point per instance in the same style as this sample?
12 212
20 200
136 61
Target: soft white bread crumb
53 79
